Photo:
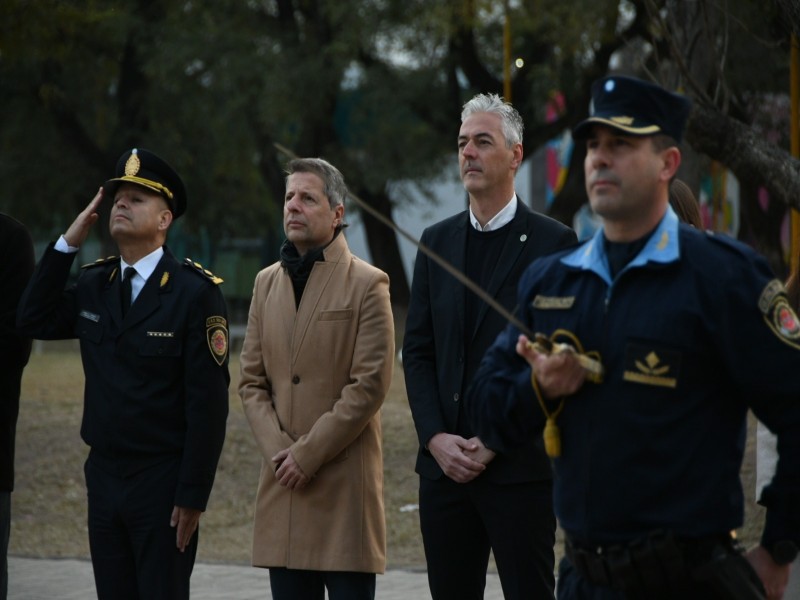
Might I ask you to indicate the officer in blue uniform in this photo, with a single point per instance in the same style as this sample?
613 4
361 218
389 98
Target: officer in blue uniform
154 343
691 329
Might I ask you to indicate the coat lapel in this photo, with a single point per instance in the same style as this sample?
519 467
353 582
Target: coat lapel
149 299
518 237
456 254
315 288
112 295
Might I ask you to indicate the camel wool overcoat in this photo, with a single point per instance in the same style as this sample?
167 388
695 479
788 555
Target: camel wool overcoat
313 379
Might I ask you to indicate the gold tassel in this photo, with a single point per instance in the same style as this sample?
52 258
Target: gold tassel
552 438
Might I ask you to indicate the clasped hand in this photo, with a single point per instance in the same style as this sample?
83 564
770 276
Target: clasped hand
288 472
461 460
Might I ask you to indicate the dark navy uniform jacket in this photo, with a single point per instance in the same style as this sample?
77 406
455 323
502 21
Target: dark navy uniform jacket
691 332
157 380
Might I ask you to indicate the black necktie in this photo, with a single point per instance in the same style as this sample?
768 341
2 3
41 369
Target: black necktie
127 292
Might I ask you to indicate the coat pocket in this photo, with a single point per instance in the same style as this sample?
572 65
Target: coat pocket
88 327
340 314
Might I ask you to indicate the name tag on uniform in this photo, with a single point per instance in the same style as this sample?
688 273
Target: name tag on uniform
553 302
161 334
90 315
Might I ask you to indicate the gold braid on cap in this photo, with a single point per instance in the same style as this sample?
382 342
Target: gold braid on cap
147 183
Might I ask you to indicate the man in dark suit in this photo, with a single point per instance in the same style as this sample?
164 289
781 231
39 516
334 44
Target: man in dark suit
470 500
16 266
154 342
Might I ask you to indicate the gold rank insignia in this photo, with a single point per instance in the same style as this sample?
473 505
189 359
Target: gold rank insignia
203 271
217 336
99 262
651 366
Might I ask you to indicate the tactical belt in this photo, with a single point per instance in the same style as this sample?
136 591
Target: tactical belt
660 564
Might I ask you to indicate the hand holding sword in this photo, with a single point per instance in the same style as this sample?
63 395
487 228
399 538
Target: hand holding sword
558 370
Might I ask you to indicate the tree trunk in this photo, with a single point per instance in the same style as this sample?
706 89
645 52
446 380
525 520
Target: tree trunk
753 159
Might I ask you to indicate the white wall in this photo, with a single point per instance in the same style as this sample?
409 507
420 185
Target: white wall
452 199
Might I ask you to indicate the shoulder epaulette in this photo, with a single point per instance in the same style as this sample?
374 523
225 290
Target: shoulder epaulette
198 268
100 261
726 241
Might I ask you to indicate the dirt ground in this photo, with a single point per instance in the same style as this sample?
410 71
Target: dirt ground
49 502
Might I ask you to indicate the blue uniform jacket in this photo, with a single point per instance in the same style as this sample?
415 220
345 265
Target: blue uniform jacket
691 332
157 380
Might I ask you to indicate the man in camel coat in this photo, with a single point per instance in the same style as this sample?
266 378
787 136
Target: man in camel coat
316 366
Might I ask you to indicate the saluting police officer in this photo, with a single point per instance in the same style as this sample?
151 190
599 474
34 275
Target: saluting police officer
690 328
154 342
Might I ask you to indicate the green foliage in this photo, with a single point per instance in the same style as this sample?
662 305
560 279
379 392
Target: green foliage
375 86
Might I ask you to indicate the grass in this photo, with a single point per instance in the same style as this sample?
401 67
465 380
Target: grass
49 502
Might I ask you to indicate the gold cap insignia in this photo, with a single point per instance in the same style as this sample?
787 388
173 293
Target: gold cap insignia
133 164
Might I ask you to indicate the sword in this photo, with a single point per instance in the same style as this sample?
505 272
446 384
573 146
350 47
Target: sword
588 363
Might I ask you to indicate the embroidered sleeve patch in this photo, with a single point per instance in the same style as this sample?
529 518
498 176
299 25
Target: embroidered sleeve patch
782 320
770 294
651 366
217 336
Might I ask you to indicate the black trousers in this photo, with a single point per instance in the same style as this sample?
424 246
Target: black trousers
300 584
133 547
461 523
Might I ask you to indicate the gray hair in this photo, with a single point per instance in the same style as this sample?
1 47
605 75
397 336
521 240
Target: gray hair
332 179
492 103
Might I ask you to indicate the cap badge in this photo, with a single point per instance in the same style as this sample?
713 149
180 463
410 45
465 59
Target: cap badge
610 85
133 164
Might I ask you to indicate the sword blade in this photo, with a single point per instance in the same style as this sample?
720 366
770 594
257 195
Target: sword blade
439 260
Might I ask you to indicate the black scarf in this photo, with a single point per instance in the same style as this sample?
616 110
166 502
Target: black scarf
299 267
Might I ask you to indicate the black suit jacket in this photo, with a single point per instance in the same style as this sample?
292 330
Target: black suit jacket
16 267
157 379
436 374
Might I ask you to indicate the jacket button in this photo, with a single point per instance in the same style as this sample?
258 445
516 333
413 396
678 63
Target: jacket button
296 379
455 397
